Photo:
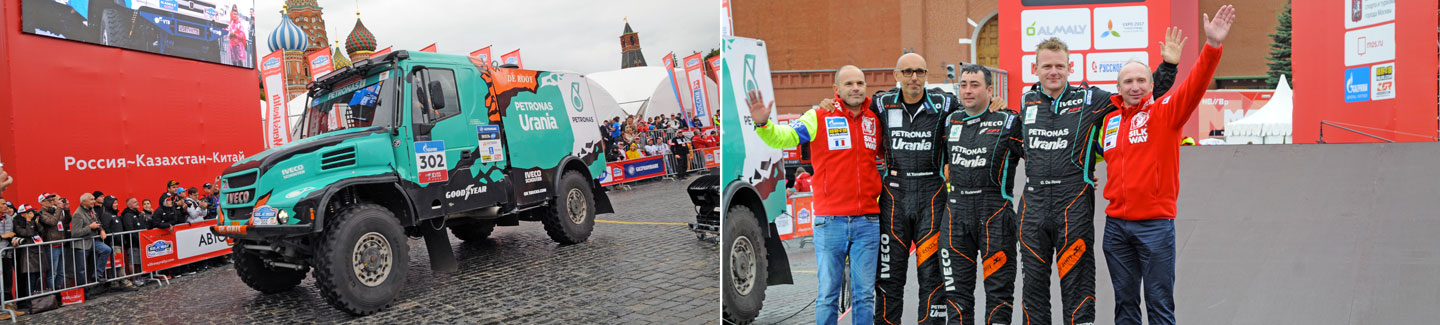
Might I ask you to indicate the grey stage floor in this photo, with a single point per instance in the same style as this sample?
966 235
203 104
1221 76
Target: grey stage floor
1292 234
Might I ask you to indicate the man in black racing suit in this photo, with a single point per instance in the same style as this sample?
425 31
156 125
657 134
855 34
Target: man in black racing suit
982 149
1061 124
913 195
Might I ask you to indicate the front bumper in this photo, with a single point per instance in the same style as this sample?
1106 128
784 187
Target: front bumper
260 232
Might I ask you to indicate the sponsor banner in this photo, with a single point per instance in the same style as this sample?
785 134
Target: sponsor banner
1370 45
277 115
1220 107
1106 66
1071 26
188 243
72 297
1101 35
675 83
319 63
712 157
1360 13
512 58
483 54
430 48
714 66
1373 67
626 171
1121 27
381 51
695 79
198 30
727 21
800 218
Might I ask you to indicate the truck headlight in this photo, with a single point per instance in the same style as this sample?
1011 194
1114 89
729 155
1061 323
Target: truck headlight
284 217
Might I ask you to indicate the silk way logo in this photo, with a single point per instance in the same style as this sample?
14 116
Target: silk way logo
691 62
575 99
272 63
320 61
159 248
1109 30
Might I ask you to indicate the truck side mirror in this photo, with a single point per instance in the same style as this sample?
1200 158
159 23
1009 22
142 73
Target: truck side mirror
437 95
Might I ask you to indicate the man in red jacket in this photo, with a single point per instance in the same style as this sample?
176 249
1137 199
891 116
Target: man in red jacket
1143 165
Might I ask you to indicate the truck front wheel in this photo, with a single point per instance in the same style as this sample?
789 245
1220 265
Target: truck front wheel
571 219
363 259
253 271
744 267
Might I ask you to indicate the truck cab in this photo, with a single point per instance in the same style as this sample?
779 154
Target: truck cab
407 144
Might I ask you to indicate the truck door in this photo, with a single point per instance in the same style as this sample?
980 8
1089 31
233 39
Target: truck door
447 139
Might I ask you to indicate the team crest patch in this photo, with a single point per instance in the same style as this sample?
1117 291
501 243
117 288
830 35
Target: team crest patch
1112 132
1139 120
868 125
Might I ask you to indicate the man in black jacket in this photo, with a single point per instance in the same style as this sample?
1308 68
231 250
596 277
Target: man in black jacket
680 147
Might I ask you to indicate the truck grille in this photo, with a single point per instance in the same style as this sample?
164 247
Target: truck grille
242 180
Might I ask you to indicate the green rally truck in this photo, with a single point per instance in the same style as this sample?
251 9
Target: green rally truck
403 145
751 187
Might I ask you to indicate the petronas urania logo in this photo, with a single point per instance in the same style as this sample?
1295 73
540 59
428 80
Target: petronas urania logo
749 74
575 100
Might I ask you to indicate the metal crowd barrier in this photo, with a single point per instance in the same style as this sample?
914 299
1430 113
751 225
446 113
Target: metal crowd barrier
30 270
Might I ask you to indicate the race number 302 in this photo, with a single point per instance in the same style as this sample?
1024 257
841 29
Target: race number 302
430 162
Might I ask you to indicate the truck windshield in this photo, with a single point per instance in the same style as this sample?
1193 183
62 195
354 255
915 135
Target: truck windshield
357 104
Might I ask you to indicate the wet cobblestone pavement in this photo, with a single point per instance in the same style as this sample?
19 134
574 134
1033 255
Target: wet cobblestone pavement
632 272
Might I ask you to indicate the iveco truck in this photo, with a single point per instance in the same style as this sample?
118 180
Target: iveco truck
408 144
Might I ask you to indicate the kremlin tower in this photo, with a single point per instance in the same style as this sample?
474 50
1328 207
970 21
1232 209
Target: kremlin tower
630 55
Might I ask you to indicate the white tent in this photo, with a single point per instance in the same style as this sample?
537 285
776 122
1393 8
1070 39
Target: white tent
1269 125
606 107
648 91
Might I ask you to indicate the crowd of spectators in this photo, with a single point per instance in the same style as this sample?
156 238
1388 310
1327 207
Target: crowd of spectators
92 220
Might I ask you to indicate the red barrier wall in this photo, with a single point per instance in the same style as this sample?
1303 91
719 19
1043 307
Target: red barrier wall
1318 63
100 105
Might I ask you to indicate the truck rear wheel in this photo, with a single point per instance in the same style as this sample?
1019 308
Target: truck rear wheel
473 232
744 266
253 271
571 219
363 259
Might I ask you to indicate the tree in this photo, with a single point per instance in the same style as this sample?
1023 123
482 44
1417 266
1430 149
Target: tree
1280 50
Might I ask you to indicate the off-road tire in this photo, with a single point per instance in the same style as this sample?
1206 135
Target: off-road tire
252 270
334 260
560 224
742 229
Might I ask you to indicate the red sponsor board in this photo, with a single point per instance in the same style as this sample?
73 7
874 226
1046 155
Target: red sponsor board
72 297
381 51
320 64
712 157
166 248
1101 35
430 48
799 222
1223 106
1368 66
675 83
80 116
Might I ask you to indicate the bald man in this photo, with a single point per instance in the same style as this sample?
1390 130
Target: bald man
846 182
913 196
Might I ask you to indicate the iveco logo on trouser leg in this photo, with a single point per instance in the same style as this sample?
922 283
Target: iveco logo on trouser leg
945 270
884 256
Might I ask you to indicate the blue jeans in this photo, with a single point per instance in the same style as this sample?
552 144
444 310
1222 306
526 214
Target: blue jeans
101 253
1142 252
835 239
58 266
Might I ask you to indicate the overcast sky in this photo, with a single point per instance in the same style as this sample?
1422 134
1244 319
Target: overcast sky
579 36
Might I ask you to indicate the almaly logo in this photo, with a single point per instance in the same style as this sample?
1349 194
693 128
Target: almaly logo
575 99
1030 31
1109 30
